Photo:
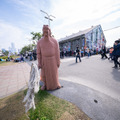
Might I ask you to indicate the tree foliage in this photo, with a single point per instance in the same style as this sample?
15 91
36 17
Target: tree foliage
24 49
27 48
5 52
36 35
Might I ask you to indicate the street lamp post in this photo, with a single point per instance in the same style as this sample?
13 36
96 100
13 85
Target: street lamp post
48 17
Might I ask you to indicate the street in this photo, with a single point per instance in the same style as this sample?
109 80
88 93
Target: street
94 73
93 85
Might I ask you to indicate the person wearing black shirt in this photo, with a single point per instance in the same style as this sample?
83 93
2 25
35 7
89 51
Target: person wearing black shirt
78 55
104 52
34 55
116 53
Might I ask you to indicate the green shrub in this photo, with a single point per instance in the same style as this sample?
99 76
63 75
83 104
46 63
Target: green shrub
3 57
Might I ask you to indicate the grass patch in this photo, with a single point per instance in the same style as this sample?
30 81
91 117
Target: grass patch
4 63
1 62
48 107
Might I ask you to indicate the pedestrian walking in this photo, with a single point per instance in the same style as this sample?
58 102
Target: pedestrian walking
103 54
116 53
110 53
78 54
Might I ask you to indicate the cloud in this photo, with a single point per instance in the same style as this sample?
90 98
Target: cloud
72 11
33 19
110 18
112 35
10 33
30 19
75 15
30 8
71 16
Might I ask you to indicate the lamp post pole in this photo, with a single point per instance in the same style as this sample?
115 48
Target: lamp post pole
48 17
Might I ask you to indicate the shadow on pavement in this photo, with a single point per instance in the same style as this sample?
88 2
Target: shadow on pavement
94 103
73 64
116 74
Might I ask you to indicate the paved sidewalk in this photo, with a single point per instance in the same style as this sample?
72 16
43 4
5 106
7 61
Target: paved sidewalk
13 78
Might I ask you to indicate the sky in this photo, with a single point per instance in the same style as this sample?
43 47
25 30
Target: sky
18 18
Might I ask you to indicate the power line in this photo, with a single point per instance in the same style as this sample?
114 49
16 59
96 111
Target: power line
112 28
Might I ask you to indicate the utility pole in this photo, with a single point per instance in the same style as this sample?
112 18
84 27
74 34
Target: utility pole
48 17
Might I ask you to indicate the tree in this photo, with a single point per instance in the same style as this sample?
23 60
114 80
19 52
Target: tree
24 49
5 52
36 36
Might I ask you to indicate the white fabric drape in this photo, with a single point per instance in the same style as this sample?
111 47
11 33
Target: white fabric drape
33 87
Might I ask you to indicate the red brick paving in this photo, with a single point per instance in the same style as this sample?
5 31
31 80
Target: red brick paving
13 78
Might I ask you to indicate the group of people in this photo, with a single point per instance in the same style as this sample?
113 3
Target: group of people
114 53
86 52
31 55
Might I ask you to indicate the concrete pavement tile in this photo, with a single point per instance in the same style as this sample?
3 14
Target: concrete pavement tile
0 82
1 75
3 85
12 84
6 77
22 86
3 95
27 77
5 81
27 74
21 83
27 80
3 89
21 80
21 75
12 89
13 78
3 92
8 73
13 81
